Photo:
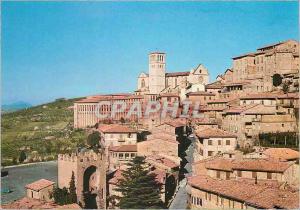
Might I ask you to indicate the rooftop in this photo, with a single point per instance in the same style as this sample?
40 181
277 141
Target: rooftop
124 148
282 153
115 128
256 195
214 133
201 93
246 164
40 184
175 74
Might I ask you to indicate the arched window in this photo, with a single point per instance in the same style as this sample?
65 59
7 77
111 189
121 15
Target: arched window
143 83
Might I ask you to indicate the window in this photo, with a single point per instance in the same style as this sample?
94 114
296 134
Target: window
32 194
209 153
120 155
143 83
269 175
126 155
218 174
239 173
227 142
282 125
254 174
227 175
209 142
219 142
209 196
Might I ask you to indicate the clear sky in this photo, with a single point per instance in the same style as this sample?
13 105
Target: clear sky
70 49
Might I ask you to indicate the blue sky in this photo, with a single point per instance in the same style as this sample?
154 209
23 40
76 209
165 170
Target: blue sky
70 49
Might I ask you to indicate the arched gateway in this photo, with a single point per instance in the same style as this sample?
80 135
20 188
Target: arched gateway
90 176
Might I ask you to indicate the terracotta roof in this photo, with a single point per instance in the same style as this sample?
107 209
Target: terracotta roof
176 122
246 164
214 133
124 148
98 98
255 195
239 109
161 160
201 93
214 85
207 109
115 128
289 95
236 83
222 100
40 184
219 164
156 52
261 109
204 121
282 153
260 96
267 165
175 74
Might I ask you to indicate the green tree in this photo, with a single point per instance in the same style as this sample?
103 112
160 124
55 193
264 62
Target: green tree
93 139
139 188
277 80
61 196
22 156
72 189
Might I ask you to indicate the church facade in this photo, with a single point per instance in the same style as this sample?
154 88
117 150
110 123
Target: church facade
158 81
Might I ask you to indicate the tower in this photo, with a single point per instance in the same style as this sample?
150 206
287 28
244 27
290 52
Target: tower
157 72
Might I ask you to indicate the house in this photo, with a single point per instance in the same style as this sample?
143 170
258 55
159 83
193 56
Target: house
116 135
207 192
120 155
213 141
40 189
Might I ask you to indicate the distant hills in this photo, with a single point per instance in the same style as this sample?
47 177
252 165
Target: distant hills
41 131
15 106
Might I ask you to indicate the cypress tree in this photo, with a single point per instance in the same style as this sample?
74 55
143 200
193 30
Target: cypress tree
139 188
72 189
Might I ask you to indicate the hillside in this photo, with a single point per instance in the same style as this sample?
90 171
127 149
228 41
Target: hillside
42 132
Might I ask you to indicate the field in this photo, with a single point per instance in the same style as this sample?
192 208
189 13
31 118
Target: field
41 132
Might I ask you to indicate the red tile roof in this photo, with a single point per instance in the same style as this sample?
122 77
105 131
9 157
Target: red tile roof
124 148
214 85
255 195
178 122
115 128
239 109
161 160
222 100
40 184
282 153
266 165
214 133
260 96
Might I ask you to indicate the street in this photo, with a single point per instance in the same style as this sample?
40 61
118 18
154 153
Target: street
180 200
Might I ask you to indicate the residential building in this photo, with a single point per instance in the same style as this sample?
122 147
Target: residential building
40 190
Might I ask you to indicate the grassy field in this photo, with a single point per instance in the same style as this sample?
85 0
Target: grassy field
42 132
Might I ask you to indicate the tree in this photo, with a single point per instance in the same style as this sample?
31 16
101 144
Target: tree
277 80
93 139
61 196
72 189
22 156
138 187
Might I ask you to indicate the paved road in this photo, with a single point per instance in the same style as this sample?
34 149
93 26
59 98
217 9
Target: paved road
180 200
20 176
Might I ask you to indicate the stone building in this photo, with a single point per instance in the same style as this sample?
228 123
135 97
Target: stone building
116 134
159 81
254 71
86 110
89 169
120 155
213 141
206 192
40 189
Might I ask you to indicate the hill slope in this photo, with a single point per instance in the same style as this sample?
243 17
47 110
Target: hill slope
41 131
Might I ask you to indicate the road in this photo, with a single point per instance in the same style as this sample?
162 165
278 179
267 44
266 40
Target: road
21 175
180 200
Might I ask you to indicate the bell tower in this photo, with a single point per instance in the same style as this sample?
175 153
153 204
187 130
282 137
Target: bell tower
157 72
